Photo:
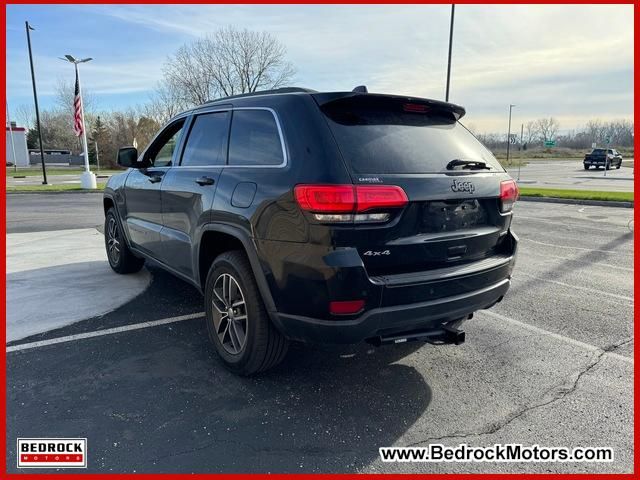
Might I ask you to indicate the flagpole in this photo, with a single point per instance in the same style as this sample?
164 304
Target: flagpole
84 129
87 179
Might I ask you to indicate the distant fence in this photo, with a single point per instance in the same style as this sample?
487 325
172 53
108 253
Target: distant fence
64 159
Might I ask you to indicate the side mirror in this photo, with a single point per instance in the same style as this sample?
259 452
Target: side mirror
128 157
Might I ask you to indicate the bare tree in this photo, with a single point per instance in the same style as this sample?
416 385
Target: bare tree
25 115
548 128
164 103
531 132
65 94
228 62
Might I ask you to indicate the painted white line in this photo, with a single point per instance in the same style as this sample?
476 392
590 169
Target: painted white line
100 333
557 336
575 260
546 221
617 251
576 287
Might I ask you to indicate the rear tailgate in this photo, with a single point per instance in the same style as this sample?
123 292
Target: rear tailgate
453 216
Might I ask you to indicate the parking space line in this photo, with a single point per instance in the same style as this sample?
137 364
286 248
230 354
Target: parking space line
557 336
578 225
100 333
575 260
576 287
575 248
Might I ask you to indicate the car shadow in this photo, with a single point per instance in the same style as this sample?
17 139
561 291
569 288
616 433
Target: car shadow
159 400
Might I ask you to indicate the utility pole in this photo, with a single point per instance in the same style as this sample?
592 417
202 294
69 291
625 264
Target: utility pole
35 99
521 137
97 156
509 132
453 11
13 146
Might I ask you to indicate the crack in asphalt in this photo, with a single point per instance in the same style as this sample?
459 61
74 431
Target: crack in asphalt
561 392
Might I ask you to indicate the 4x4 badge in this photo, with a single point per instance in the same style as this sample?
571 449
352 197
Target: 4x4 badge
462 187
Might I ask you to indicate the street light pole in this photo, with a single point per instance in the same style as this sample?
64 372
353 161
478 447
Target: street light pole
87 179
453 11
35 99
509 133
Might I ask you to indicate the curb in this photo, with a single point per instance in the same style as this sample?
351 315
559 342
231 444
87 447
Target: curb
54 192
574 201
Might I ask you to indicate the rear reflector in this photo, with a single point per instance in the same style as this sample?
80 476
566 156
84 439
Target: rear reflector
349 198
346 307
508 195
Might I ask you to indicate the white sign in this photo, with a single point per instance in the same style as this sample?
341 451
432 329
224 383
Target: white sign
593 145
52 453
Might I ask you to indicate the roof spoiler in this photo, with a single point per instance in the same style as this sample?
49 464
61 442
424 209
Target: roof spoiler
324 98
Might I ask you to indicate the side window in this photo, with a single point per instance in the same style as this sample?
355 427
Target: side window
207 140
160 153
254 139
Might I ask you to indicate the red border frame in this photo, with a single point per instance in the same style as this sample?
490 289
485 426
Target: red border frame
3 383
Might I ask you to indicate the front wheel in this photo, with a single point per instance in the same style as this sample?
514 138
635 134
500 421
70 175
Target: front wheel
237 321
121 259
586 167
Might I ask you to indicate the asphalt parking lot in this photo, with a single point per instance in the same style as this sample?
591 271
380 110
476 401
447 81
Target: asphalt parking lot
572 175
550 365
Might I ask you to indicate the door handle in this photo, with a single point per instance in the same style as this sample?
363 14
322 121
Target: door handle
155 178
205 181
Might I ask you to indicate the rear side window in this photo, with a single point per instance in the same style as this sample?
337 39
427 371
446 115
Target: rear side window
207 141
254 139
392 136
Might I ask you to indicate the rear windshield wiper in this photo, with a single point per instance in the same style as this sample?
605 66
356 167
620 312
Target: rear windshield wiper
470 164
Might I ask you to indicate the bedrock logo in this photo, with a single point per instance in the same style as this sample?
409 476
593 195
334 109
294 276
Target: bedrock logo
462 187
52 452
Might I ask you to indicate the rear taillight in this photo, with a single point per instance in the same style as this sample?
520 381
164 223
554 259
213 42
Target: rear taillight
347 203
508 195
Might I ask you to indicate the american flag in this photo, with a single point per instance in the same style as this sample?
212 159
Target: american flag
77 109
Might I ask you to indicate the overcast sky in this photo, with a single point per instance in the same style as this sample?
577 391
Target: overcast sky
573 62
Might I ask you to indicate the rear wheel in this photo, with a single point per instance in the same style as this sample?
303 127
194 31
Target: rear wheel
586 167
237 321
121 259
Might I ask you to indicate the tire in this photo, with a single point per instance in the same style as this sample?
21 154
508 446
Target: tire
618 166
121 259
249 343
586 167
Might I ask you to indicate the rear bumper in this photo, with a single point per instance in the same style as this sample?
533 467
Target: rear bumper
395 304
389 320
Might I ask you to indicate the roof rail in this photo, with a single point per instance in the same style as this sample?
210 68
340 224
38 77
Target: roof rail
265 92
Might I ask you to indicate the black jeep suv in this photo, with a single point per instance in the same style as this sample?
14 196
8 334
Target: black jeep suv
319 217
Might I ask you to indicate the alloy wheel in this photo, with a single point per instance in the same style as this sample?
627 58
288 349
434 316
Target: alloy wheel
113 242
231 321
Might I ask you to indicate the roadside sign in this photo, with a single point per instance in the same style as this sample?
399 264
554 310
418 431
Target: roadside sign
593 145
607 140
513 139
549 143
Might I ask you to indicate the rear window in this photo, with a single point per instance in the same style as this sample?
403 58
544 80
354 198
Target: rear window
391 136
